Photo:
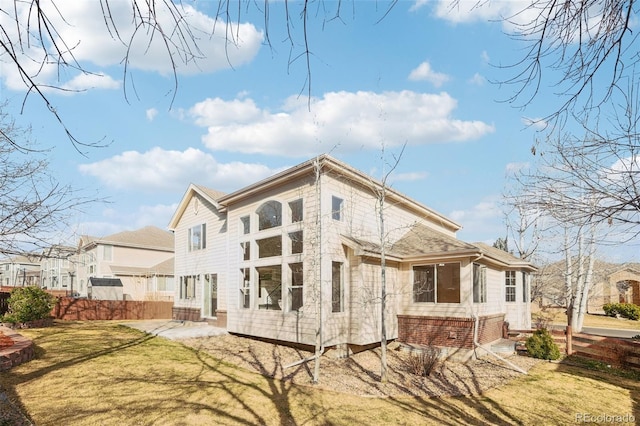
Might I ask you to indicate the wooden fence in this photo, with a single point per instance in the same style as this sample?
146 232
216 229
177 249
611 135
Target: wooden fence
620 352
68 308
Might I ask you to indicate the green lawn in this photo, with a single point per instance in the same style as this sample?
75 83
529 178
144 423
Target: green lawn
101 373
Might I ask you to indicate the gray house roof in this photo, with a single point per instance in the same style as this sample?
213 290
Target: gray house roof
150 237
423 243
163 268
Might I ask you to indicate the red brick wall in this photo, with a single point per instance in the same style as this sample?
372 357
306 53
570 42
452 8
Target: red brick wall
490 328
186 314
448 332
68 308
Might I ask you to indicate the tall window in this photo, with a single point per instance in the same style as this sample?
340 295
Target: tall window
296 290
270 287
198 237
269 215
188 287
246 250
510 286
245 222
296 242
107 252
296 210
525 287
437 283
245 288
336 208
479 283
337 287
269 247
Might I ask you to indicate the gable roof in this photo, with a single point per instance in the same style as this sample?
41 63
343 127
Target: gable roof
211 195
326 164
149 237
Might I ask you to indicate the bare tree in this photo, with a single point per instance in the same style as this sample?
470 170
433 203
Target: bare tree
380 192
571 46
33 205
34 37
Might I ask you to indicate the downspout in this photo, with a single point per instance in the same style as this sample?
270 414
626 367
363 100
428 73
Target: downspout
477 344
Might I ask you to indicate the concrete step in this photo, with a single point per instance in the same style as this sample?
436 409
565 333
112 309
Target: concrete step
503 346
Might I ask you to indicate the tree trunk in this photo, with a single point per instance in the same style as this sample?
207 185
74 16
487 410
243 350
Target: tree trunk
383 293
586 282
568 279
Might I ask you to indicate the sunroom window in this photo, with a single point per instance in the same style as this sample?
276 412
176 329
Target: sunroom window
510 286
436 283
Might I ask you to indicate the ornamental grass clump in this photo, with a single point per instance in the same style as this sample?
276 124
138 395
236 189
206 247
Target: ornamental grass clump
28 304
542 346
422 362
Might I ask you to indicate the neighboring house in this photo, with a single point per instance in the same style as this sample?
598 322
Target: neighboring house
299 254
611 283
139 262
58 269
20 271
621 285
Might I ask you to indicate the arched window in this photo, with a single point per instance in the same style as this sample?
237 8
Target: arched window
269 215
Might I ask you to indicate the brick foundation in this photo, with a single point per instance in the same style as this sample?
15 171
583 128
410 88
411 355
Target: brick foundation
448 332
186 314
220 320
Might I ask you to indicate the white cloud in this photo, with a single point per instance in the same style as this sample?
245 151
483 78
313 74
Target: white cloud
151 114
512 168
477 80
111 221
343 120
159 170
424 73
484 11
485 57
482 221
83 82
408 177
92 41
624 170
418 4
536 123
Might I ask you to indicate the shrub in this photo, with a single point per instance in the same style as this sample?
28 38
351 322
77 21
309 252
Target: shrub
29 304
422 362
542 346
625 310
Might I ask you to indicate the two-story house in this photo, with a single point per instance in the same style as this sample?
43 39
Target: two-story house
58 269
299 255
130 265
20 271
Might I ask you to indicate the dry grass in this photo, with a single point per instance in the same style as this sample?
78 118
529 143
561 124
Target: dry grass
558 317
102 373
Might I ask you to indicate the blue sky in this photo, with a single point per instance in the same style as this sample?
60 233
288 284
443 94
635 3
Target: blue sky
420 76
